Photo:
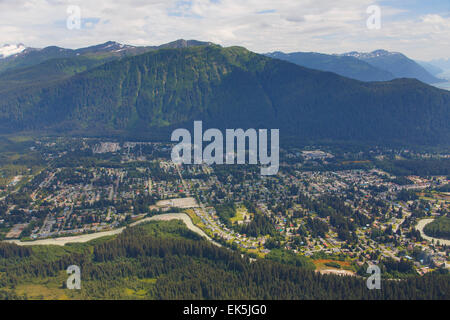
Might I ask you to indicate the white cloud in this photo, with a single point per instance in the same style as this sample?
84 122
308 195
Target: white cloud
260 25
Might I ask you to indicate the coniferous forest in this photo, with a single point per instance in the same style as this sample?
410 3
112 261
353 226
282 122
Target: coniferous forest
164 260
144 95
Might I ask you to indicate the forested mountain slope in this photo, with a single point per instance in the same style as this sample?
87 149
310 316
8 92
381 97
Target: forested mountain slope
229 88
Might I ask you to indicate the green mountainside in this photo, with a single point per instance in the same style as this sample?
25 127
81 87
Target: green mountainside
47 72
106 51
226 88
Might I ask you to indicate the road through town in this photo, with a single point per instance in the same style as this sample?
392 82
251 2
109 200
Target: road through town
421 225
88 237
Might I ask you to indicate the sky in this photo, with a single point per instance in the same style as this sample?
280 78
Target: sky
418 28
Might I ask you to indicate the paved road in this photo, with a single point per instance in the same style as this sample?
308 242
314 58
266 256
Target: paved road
65 240
178 216
421 224
88 237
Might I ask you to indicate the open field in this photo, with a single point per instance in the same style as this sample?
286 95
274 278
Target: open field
16 231
182 203
435 196
321 264
242 215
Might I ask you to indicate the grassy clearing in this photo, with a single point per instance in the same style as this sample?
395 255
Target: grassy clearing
41 292
239 216
195 219
322 264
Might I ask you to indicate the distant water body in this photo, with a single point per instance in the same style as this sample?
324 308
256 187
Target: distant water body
443 85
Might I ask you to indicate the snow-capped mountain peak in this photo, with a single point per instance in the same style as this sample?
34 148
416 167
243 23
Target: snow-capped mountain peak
369 55
11 49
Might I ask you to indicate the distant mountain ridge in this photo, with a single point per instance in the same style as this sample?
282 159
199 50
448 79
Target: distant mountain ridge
350 67
369 55
431 68
31 66
441 63
396 63
145 94
379 65
33 56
